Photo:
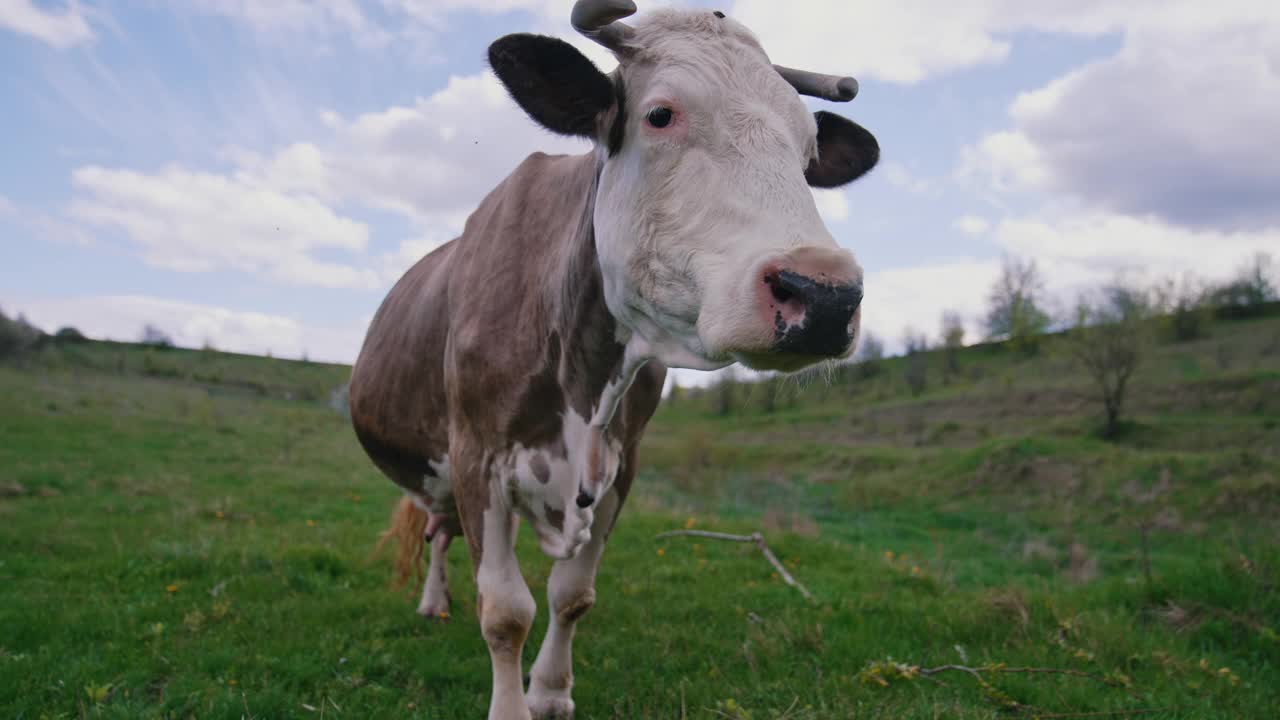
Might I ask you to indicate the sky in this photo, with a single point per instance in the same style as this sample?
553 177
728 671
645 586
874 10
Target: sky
255 174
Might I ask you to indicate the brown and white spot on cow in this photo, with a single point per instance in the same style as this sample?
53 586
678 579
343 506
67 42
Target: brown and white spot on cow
436 492
555 517
541 470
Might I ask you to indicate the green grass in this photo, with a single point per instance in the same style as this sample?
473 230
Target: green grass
189 534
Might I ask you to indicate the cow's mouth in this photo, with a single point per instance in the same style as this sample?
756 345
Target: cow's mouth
779 361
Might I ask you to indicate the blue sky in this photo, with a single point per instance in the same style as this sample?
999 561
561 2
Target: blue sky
256 175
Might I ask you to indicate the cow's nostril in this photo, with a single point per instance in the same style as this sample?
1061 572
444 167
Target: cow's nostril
780 292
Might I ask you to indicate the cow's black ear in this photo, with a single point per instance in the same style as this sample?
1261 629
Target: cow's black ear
846 151
557 85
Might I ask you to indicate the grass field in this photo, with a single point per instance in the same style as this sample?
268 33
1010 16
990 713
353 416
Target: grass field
189 534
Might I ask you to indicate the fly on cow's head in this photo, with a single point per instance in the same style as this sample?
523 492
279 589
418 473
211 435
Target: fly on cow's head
710 244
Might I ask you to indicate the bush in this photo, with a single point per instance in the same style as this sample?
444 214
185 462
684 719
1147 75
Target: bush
69 335
17 336
1249 291
1185 306
152 335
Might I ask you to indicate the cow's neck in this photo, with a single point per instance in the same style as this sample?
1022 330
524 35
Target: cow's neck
600 357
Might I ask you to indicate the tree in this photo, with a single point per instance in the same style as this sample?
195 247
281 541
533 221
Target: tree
1251 287
870 355
673 395
17 336
1015 305
725 392
952 339
1109 339
916 371
152 335
69 335
1184 306
1257 277
769 388
914 342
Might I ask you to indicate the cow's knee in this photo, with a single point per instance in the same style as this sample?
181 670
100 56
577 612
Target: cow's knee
505 621
570 606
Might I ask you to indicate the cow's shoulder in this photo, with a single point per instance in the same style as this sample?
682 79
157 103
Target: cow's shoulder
506 290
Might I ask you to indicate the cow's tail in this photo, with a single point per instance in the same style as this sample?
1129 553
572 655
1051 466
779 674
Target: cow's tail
408 532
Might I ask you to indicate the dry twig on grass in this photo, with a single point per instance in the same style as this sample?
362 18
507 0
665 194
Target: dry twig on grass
755 537
976 672
883 672
1103 713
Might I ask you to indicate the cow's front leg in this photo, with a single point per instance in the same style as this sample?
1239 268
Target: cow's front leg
503 601
571 591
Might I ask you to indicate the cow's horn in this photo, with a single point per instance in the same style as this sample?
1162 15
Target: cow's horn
828 87
598 20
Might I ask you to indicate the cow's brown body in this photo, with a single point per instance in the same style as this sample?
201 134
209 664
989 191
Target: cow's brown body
488 341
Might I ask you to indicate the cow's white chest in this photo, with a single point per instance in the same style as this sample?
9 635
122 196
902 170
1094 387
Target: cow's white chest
543 484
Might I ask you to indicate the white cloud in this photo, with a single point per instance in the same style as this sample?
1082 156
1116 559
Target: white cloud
122 317
190 221
288 18
43 225
60 28
1076 250
394 264
900 177
972 224
911 40
915 297
374 25
832 205
431 161
1005 160
901 42
1180 124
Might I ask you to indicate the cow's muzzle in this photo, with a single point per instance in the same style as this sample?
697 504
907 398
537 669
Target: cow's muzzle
812 316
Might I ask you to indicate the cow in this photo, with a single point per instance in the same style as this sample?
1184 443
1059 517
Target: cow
509 374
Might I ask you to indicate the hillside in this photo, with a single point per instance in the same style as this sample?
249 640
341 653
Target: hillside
188 534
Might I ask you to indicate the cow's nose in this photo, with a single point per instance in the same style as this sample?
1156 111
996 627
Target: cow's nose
812 316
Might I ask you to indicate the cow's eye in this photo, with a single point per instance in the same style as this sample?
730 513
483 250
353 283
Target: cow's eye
660 117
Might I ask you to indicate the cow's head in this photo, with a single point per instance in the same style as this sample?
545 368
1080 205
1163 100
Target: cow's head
710 244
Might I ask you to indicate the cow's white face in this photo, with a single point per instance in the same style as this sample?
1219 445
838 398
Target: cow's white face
710 243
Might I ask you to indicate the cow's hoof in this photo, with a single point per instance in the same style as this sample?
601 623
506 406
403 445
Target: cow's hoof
550 707
433 610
